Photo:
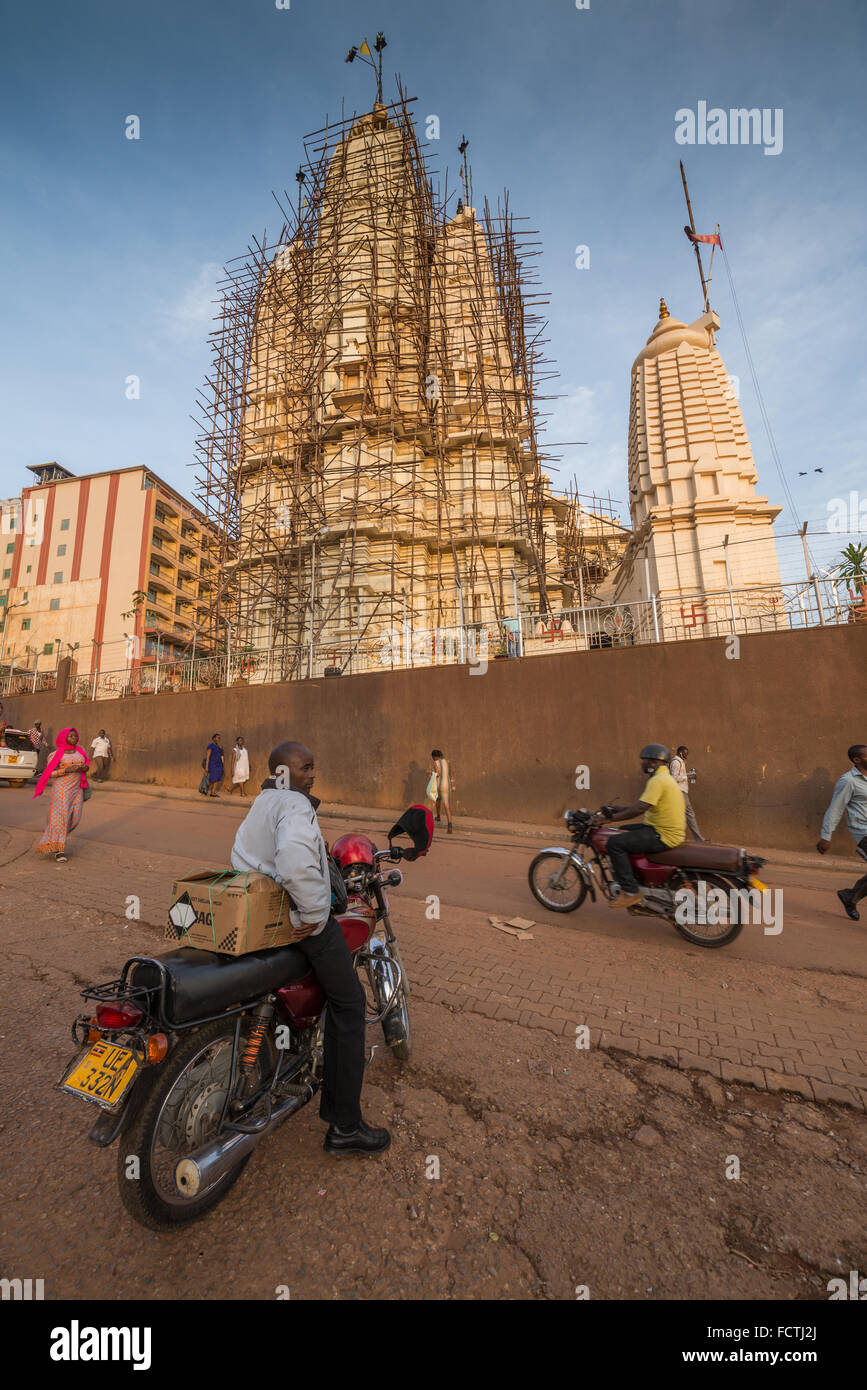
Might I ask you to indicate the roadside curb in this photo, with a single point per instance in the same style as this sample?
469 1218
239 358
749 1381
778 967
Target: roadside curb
375 815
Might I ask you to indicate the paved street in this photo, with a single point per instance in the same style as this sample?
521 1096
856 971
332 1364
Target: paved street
552 1159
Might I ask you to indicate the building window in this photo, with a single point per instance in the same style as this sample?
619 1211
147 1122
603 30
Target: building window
6 574
58 578
64 525
10 547
3 598
29 569
13 522
48 649
54 605
61 550
25 624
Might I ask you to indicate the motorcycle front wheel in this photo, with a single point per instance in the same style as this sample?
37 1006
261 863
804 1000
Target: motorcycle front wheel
383 978
726 923
556 883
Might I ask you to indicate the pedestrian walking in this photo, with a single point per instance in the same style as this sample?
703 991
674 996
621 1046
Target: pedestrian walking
102 755
440 786
213 764
65 778
240 766
850 795
677 768
39 742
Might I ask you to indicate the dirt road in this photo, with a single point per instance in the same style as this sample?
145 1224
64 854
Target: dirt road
649 1165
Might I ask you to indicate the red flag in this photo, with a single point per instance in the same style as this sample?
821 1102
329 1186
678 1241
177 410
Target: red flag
713 240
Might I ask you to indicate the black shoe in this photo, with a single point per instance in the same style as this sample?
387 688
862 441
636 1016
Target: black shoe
848 906
363 1140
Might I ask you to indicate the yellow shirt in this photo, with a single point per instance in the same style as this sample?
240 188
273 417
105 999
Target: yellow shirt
667 804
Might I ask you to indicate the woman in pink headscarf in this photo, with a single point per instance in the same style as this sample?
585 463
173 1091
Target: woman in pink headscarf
66 782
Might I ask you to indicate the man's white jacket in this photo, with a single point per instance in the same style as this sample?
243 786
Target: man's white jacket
280 836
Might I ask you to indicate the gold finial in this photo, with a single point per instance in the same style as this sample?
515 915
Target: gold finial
663 310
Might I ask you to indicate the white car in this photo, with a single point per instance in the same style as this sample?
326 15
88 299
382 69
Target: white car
18 758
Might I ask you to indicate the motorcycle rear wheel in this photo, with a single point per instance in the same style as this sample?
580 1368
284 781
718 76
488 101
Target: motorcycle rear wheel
709 934
197 1070
546 870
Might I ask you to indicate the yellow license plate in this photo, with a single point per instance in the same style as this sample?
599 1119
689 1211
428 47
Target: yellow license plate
13 757
757 883
102 1075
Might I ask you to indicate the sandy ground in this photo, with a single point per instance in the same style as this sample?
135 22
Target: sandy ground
520 1166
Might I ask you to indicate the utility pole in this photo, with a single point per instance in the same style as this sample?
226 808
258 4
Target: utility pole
695 244
729 583
802 532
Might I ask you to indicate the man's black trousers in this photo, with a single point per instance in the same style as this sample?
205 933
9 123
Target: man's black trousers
639 839
343 1070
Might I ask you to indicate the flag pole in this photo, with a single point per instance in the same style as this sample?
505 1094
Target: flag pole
695 244
712 253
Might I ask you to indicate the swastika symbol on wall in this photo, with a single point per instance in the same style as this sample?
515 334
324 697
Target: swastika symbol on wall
694 614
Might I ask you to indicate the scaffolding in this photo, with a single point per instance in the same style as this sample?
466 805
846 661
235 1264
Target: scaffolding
369 430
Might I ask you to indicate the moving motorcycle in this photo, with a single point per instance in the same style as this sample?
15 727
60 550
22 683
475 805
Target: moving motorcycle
676 884
192 1057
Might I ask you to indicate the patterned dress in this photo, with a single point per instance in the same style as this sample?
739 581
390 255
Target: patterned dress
65 800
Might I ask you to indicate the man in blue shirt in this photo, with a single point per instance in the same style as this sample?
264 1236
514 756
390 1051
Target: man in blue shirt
850 795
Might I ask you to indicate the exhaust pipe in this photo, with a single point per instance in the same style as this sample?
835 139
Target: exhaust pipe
200 1170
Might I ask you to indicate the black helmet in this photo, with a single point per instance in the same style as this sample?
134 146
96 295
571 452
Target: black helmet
657 751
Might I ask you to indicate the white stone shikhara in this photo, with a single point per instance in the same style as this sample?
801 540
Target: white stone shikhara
692 483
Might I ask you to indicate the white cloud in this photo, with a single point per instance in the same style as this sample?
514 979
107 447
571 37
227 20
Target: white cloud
190 315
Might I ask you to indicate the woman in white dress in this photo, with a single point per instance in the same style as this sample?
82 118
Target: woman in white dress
240 766
441 784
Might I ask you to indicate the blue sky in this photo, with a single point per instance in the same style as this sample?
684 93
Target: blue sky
111 248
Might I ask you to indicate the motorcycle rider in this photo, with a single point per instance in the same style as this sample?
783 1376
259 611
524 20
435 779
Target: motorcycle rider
280 836
663 809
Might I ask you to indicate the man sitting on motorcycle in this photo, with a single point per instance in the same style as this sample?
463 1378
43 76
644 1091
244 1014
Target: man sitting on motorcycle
280 836
664 811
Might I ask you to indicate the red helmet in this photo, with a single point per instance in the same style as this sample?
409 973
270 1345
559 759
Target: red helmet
353 849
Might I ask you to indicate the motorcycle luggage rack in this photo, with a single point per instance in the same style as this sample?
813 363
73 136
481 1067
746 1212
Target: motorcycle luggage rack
116 991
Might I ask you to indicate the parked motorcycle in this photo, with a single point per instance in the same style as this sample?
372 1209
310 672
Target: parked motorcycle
560 879
193 1057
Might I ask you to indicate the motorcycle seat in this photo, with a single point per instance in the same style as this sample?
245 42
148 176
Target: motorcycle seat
200 984
723 858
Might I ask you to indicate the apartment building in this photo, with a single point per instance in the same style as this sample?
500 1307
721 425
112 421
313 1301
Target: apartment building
116 569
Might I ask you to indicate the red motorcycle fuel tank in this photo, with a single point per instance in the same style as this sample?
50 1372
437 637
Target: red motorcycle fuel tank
653 875
301 1002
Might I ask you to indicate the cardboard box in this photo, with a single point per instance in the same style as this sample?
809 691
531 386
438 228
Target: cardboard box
229 912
